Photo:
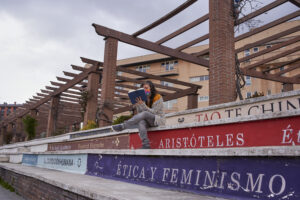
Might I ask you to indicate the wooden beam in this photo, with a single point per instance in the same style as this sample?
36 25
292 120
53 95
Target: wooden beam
61 84
46 91
135 87
68 80
268 39
261 11
123 37
150 76
258 30
37 97
290 68
70 96
70 74
127 86
183 29
69 99
271 77
268 26
280 55
295 2
63 88
42 95
165 18
281 65
166 98
75 67
51 88
155 84
193 42
143 74
72 92
275 47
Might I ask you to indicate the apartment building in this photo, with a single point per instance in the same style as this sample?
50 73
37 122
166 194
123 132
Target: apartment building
6 109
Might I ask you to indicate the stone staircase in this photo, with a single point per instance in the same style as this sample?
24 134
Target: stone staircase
245 157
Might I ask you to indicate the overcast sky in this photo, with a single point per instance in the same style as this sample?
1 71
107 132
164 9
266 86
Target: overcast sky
41 38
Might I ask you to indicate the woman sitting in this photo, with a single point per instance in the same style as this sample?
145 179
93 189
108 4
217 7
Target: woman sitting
149 114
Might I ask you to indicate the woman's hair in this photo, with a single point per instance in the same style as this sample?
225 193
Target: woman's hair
153 91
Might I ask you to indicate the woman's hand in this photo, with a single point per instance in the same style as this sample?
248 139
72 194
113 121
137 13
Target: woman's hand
139 100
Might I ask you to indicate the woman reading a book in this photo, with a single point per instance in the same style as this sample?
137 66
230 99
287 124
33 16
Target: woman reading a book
149 114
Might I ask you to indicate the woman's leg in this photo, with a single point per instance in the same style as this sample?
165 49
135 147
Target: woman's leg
143 125
145 115
143 120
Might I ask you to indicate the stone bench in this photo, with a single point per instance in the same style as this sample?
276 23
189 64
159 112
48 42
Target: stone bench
264 172
38 183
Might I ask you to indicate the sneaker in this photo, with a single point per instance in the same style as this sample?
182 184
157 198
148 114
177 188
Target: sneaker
118 127
146 146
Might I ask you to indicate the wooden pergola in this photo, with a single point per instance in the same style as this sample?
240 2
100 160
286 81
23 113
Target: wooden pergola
58 104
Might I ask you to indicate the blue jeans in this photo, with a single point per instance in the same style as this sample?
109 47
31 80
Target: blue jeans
144 120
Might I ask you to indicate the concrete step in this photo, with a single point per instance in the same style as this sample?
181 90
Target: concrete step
93 187
237 173
4 158
251 131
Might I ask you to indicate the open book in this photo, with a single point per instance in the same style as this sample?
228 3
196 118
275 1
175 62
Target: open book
137 93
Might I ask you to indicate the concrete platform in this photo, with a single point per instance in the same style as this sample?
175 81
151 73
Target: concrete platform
99 188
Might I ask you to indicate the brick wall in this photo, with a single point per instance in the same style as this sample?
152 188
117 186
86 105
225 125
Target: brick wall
222 87
33 189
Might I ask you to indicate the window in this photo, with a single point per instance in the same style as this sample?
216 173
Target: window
199 78
142 68
120 88
269 92
119 73
169 65
203 98
170 104
247 52
268 46
166 83
255 49
7 111
137 85
248 80
248 94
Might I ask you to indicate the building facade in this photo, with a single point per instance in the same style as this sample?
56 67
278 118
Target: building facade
6 109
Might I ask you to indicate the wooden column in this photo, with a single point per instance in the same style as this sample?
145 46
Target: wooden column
222 87
52 117
287 87
9 132
108 82
2 135
32 113
19 130
192 101
92 88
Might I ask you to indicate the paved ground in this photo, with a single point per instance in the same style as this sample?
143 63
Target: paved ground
8 195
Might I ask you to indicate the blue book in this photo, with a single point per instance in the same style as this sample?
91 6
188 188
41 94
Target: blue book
137 93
